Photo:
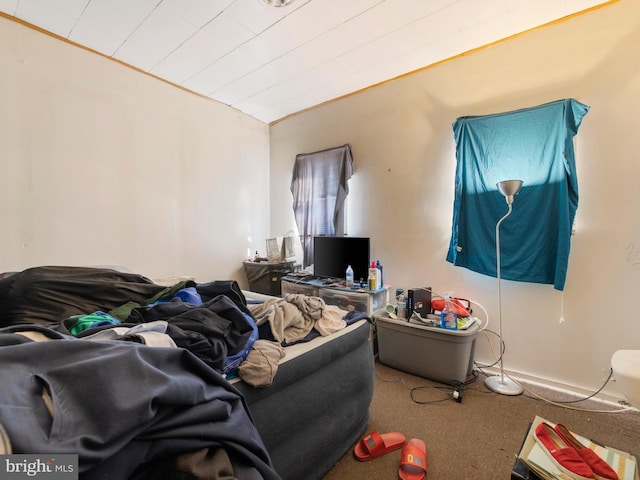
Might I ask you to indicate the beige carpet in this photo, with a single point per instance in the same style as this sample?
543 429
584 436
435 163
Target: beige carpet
479 438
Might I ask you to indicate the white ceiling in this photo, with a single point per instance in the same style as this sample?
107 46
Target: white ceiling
272 62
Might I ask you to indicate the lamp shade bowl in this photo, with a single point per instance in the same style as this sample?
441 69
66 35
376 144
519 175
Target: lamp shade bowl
509 188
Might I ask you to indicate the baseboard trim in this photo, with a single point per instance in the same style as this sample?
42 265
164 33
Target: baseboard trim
574 391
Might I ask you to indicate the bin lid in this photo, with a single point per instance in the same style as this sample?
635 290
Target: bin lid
383 316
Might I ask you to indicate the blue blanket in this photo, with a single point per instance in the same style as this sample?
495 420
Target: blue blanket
534 145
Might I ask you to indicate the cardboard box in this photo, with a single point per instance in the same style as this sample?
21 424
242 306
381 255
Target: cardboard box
437 354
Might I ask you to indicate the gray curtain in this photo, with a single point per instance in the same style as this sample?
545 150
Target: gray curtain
319 187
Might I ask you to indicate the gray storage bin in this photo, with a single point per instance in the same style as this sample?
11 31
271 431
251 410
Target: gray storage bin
437 354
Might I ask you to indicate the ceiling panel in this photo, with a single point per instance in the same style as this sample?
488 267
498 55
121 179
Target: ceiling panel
282 92
272 62
196 12
8 6
161 34
289 65
56 17
106 24
341 39
471 12
488 31
348 10
577 5
203 49
256 17
228 68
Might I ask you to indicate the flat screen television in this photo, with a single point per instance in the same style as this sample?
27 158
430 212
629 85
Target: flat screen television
332 255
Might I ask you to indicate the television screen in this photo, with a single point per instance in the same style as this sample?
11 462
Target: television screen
332 255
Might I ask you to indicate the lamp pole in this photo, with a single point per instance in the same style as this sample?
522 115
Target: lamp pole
500 384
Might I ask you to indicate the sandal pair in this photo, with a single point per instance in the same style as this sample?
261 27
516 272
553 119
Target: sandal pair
413 460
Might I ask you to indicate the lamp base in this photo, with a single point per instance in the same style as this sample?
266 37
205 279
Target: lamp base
505 386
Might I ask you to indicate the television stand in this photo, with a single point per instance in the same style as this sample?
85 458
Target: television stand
335 293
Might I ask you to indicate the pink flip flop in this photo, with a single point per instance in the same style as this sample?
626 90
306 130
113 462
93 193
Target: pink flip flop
374 445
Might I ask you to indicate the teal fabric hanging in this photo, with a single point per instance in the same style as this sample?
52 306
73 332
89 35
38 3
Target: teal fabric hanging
534 145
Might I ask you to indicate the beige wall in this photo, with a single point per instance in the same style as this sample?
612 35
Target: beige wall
402 189
103 165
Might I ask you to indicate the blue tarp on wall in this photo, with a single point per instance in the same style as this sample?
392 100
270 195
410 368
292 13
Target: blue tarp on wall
534 145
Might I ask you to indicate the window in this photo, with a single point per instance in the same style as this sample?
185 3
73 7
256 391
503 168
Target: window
534 145
320 187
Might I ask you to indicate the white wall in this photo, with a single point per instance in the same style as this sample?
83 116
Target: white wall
103 165
402 191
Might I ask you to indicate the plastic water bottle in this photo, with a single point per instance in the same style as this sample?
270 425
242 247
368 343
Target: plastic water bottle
380 279
349 277
401 307
448 316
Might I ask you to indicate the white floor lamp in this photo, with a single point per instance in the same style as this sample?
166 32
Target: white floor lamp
498 383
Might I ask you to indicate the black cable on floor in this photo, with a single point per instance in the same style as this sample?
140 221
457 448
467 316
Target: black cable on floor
585 398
